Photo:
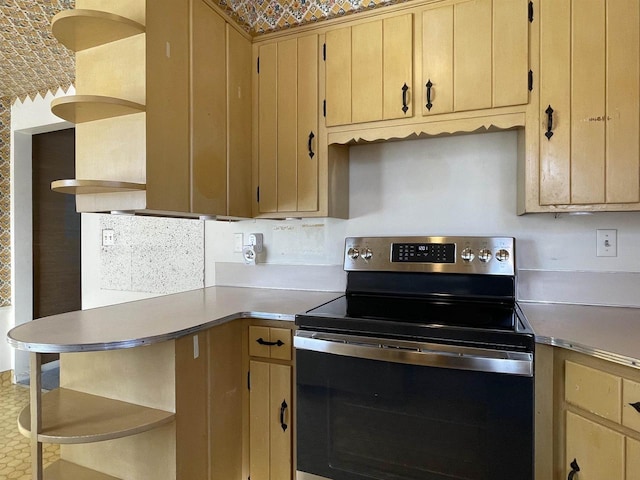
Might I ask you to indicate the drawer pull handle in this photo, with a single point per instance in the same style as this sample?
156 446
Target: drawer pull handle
549 112
404 99
574 469
636 406
429 85
283 409
262 341
311 137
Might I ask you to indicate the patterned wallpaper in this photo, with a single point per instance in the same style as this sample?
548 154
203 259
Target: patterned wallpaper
5 218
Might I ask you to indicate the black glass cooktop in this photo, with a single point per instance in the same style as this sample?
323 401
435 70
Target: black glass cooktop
441 319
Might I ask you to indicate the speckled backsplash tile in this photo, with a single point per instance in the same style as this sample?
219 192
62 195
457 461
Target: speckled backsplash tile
153 255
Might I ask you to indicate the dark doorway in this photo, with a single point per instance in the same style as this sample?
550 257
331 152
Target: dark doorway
56 228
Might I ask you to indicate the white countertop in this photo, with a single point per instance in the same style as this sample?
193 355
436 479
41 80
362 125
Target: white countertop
159 319
611 333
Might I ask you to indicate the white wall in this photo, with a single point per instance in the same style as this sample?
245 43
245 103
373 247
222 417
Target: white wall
27 118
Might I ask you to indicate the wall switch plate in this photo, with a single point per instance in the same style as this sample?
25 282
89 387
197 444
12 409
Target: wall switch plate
607 243
238 242
108 237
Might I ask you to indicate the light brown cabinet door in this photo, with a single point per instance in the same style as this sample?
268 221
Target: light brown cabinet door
209 112
338 76
590 77
398 67
633 459
270 421
367 66
288 126
598 451
437 60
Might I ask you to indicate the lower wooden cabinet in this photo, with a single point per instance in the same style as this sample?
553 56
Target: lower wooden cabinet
271 421
597 434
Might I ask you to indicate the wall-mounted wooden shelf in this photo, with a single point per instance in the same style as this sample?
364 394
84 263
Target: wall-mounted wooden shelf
87 108
81 29
80 187
62 470
71 417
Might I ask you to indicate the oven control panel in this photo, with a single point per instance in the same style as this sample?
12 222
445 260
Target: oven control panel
478 255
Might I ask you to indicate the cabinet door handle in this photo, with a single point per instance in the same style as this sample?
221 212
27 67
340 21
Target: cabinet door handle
429 85
311 137
404 99
549 112
574 469
283 409
636 406
262 341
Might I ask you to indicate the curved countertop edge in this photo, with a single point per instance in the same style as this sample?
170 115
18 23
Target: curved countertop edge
141 342
591 351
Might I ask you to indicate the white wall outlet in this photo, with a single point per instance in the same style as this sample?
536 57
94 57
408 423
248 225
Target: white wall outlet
108 237
238 242
607 243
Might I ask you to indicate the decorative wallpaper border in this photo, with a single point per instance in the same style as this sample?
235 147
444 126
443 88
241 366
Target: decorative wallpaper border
5 202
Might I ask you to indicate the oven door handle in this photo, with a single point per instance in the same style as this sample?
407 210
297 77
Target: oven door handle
417 353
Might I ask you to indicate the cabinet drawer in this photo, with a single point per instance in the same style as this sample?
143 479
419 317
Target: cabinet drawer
270 342
593 390
630 397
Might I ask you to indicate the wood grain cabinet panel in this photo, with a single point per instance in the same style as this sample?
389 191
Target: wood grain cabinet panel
633 459
631 404
593 390
589 104
288 153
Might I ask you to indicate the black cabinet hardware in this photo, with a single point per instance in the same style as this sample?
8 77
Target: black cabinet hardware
283 409
404 99
429 85
574 469
530 12
636 406
530 80
311 136
549 112
262 341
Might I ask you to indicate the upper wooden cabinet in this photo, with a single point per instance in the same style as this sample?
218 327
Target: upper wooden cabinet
369 71
474 56
589 105
163 116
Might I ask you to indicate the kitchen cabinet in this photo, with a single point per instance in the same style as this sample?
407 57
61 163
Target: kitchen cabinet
270 403
288 126
162 108
598 427
589 130
369 71
474 56
295 172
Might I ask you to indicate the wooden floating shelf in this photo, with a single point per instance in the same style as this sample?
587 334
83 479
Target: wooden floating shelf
71 417
82 29
62 470
83 187
87 108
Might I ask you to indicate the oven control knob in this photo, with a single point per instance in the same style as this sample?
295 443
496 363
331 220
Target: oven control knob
353 253
502 255
484 255
366 254
467 255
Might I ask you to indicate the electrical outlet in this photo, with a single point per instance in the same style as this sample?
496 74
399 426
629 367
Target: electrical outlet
238 242
108 237
607 243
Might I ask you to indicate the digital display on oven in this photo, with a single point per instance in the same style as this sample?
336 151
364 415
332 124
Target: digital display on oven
423 253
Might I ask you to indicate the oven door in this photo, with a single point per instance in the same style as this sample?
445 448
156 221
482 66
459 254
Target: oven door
370 408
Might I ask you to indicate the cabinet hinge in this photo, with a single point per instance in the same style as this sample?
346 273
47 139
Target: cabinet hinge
258 65
530 11
530 80
249 380
258 194
324 108
324 52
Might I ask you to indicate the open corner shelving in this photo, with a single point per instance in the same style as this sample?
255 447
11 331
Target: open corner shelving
87 108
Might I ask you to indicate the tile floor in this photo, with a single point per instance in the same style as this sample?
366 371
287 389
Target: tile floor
14 447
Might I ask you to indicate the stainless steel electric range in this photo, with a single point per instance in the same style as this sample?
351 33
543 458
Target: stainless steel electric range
422 370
